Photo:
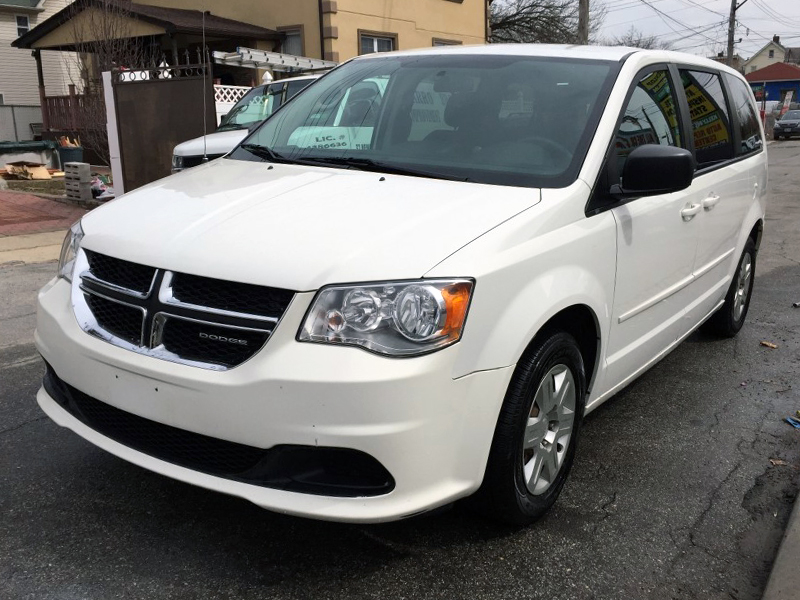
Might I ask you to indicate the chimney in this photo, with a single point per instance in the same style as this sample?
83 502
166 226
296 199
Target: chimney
776 39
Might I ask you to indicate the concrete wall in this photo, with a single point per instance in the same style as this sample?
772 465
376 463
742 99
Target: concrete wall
412 23
18 80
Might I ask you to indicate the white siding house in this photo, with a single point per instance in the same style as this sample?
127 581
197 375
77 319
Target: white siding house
19 83
773 52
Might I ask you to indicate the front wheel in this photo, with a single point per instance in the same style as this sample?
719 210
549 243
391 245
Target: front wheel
536 433
728 320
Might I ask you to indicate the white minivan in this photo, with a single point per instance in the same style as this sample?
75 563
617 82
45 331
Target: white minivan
365 313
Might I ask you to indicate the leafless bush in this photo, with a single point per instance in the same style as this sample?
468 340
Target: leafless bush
103 35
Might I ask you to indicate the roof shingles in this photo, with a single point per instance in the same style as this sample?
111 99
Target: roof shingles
775 72
173 20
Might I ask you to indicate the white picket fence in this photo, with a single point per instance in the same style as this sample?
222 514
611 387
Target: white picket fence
225 96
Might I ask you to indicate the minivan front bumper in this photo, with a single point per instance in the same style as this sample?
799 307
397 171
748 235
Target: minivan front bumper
430 432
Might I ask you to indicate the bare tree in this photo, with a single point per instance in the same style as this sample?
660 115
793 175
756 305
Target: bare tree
540 21
104 38
636 39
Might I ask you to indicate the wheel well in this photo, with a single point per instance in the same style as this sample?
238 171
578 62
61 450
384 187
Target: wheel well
579 321
756 233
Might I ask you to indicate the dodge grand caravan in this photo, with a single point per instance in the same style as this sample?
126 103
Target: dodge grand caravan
365 314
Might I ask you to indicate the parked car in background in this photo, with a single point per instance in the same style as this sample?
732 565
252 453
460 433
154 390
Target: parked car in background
255 106
787 126
409 285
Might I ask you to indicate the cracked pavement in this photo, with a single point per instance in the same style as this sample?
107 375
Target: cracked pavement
672 494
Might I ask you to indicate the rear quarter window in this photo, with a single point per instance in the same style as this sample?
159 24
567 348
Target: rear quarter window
742 105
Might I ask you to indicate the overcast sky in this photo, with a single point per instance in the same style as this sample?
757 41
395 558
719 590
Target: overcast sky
701 26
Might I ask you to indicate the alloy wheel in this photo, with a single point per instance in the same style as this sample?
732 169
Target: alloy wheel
548 430
742 287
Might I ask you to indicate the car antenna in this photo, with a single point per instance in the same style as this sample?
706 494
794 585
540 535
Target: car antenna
205 85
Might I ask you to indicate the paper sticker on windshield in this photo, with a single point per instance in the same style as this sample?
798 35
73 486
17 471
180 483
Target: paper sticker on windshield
332 138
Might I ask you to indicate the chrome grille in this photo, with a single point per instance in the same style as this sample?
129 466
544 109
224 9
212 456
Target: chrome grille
199 321
121 273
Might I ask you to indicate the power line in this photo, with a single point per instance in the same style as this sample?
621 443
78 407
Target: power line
664 15
703 7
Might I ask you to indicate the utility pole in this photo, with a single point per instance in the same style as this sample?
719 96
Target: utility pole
732 29
583 21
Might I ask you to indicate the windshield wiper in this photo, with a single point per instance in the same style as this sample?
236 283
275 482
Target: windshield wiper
265 153
361 164
368 164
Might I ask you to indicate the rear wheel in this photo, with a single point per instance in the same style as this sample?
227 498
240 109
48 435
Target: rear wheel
536 433
728 320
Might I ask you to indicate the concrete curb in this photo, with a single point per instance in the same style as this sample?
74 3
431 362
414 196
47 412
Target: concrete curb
784 580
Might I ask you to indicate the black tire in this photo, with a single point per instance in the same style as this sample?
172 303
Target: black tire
777 137
728 320
504 494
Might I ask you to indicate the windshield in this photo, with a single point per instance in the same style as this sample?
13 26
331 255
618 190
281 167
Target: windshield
255 106
792 115
508 120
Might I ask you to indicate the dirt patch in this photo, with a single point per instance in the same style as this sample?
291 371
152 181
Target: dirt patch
54 187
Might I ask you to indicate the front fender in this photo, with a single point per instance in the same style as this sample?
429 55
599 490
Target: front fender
529 269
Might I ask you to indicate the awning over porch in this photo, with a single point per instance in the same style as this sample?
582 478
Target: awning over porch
60 31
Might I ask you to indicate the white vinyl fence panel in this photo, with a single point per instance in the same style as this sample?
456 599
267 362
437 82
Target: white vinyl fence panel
15 122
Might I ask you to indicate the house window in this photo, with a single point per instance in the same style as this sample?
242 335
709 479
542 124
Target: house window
772 53
443 42
23 25
369 43
293 44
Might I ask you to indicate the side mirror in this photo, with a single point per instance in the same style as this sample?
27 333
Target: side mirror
652 169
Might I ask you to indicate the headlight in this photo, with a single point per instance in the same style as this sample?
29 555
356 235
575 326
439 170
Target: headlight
177 162
393 318
69 251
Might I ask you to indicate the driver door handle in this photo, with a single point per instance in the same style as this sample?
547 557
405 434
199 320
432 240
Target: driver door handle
710 202
690 211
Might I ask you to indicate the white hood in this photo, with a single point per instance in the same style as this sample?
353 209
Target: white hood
298 227
221 142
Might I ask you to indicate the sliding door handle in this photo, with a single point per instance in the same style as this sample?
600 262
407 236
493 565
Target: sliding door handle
690 211
710 202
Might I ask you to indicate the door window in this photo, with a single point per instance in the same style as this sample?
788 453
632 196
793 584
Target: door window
255 106
742 103
650 117
713 142
293 42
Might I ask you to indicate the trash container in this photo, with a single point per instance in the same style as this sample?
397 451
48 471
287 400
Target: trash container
70 154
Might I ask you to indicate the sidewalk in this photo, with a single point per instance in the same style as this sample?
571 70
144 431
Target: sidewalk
784 580
32 228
